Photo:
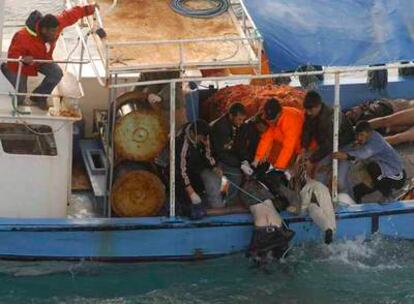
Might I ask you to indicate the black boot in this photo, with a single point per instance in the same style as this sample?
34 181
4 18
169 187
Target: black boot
360 191
267 239
328 236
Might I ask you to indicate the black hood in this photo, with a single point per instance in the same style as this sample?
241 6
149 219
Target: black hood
33 19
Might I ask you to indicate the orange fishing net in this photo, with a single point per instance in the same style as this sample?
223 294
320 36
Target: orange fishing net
252 96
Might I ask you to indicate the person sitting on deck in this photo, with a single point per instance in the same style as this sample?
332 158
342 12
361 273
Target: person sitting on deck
225 139
37 41
318 128
284 133
198 179
383 163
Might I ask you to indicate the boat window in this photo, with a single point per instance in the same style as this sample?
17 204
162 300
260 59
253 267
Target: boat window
27 139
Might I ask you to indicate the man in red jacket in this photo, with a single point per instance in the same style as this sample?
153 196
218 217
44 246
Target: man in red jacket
37 40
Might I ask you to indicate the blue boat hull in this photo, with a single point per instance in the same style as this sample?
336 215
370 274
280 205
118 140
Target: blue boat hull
143 239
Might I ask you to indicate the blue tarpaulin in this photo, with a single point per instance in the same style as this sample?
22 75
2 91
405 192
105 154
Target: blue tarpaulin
334 32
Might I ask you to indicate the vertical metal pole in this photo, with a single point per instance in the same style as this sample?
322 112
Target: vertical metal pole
108 150
17 88
180 49
172 148
337 109
112 106
1 23
82 51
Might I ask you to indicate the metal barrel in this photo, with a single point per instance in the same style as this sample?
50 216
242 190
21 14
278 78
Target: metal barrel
140 131
137 190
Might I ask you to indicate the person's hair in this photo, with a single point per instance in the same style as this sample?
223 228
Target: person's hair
312 99
363 126
272 108
201 127
49 21
237 108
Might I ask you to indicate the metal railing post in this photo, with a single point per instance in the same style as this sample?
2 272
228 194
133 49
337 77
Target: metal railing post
17 87
172 149
337 109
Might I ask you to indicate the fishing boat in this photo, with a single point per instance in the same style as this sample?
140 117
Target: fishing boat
42 218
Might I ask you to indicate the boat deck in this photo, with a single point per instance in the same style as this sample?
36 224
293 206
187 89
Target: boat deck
149 35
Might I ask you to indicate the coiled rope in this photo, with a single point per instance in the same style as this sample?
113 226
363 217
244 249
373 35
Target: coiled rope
182 7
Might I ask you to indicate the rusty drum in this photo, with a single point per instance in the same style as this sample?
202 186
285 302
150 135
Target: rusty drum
140 130
137 190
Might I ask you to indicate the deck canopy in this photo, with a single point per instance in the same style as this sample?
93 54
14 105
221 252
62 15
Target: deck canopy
334 33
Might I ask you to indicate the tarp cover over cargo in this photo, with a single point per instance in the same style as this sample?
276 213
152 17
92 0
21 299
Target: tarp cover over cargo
334 32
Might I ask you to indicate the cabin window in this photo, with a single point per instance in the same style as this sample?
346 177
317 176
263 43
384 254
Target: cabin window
27 139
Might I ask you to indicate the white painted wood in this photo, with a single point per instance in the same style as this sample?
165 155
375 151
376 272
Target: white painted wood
34 186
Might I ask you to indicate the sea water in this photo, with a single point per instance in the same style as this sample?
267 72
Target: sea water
377 271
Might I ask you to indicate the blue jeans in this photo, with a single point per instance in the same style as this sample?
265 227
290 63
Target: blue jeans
52 72
212 187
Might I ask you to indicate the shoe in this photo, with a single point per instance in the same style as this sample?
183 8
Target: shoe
39 102
328 236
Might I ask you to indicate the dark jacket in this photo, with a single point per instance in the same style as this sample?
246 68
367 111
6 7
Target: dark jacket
320 128
249 140
190 159
225 141
28 42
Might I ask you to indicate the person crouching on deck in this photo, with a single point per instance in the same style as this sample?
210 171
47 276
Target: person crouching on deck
198 177
284 132
37 40
383 163
225 141
318 128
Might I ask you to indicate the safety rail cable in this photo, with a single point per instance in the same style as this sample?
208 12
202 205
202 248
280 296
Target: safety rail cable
336 72
265 76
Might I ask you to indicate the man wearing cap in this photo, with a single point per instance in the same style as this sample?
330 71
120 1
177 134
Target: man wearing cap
197 176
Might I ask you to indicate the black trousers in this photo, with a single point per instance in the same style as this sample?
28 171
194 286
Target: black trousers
385 185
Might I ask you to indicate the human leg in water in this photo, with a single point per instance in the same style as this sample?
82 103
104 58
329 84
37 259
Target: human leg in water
269 235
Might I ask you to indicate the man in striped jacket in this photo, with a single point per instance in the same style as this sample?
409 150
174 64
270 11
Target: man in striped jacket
198 180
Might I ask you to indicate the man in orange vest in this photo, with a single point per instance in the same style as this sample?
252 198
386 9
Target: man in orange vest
285 131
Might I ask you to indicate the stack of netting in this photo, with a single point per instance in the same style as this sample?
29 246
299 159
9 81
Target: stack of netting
253 97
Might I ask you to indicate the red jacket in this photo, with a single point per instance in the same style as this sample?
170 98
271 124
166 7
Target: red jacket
27 41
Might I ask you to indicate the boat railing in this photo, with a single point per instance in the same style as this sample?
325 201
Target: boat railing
337 72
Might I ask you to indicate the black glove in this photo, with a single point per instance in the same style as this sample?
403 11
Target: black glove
101 33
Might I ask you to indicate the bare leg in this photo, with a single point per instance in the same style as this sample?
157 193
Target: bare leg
403 118
265 214
407 136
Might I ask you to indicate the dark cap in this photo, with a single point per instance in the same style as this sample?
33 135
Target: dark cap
312 99
271 109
